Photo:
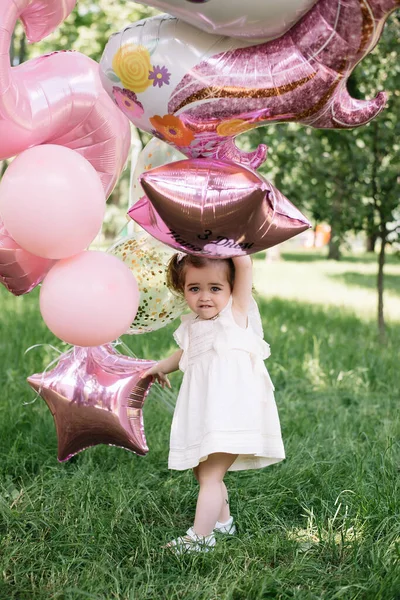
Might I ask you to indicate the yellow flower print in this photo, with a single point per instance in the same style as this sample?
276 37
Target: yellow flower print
132 65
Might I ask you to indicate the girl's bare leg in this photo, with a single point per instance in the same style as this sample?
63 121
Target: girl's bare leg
212 496
225 512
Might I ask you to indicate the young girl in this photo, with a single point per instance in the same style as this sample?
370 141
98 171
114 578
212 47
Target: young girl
225 417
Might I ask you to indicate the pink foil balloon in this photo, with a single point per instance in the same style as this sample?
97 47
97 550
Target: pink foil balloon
89 299
201 98
39 17
20 271
255 20
52 201
96 396
57 98
207 207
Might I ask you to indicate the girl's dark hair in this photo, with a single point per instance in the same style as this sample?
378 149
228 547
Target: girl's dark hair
177 267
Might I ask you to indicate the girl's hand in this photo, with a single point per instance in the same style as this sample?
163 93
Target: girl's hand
158 375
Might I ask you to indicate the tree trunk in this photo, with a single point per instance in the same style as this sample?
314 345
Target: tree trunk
335 239
383 232
372 229
315 235
371 242
334 247
380 284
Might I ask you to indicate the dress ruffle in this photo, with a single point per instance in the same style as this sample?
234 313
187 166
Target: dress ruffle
229 336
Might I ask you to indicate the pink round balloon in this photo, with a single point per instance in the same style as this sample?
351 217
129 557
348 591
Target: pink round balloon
52 201
89 299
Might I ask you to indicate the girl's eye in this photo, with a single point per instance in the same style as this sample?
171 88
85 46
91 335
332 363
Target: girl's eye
215 288
194 289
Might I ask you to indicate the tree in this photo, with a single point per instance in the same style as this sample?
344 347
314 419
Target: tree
381 144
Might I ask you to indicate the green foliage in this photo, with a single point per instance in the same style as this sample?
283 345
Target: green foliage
90 25
322 525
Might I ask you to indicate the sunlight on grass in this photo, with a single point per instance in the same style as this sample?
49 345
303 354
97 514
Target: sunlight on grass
338 529
330 283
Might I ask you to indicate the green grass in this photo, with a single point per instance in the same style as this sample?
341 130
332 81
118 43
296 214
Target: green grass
324 524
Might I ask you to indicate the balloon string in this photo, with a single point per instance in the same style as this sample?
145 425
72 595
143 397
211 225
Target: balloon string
165 395
39 345
119 342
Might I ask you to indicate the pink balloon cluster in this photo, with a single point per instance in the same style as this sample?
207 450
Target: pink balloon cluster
288 61
70 143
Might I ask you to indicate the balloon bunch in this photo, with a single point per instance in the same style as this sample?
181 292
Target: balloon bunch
198 77
195 78
71 143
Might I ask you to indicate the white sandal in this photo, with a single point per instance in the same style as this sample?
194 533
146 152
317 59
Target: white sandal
192 542
227 528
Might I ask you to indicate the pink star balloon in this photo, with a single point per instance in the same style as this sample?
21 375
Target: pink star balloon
209 207
96 396
20 271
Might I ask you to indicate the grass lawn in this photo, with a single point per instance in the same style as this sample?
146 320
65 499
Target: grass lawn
324 524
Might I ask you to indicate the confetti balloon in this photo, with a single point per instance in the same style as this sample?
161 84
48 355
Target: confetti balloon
147 259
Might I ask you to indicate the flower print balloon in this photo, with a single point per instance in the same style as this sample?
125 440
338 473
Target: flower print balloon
219 87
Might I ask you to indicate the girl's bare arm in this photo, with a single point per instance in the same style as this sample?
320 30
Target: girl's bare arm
242 289
160 370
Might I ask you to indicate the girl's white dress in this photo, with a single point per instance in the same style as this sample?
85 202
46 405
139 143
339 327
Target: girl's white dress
226 402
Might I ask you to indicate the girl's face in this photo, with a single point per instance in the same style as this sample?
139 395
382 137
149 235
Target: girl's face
207 290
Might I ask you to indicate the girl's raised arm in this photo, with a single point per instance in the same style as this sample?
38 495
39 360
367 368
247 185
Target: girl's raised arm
242 289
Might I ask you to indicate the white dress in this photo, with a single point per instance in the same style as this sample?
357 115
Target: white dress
226 402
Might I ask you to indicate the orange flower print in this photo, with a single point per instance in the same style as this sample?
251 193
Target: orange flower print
233 127
171 129
131 63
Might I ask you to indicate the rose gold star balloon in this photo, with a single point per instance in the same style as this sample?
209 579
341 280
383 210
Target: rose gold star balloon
20 271
214 208
96 396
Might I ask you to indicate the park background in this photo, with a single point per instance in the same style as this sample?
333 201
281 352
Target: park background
323 524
